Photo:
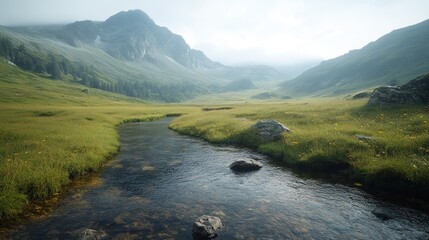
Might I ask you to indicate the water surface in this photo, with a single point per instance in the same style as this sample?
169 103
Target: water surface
162 181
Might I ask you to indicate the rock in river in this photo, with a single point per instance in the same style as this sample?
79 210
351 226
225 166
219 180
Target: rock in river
205 227
91 234
246 165
270 129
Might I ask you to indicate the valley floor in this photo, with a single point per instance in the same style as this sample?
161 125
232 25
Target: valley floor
52 132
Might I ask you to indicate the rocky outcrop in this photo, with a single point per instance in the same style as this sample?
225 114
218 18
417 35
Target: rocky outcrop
361 95
245 165
205 227
269 130
414 92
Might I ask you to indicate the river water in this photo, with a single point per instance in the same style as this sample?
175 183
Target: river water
162 181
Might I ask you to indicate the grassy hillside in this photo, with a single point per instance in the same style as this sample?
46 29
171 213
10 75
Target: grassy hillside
393 59
52 132
156 80
324 138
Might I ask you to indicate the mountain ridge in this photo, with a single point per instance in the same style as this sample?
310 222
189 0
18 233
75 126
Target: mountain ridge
128 53
394 58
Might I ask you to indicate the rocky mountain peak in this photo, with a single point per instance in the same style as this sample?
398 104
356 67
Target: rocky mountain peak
134 36
129 19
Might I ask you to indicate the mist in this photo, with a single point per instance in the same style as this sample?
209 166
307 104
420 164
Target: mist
274 32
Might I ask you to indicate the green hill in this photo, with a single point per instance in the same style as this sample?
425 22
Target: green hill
393 59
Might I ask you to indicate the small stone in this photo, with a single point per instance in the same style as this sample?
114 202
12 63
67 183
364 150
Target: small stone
91 234
246 165
363 137
205 227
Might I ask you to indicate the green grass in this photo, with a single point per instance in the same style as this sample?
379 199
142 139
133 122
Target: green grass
51 132
323 138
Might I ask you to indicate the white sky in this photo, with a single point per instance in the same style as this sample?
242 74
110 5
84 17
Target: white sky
244 31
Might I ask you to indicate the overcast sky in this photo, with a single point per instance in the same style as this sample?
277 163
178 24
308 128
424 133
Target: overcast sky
244 31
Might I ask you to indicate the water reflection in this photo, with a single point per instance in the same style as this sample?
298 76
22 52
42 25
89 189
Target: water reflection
162 181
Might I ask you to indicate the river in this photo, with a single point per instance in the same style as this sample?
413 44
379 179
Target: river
162 181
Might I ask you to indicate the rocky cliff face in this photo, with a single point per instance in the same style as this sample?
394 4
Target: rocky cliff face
414 92
133 36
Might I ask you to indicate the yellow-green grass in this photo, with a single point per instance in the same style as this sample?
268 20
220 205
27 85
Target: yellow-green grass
52 132
324 138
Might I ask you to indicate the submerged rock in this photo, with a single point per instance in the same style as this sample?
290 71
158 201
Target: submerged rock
91 234
245 165
414 92
205 227
269 129
381 214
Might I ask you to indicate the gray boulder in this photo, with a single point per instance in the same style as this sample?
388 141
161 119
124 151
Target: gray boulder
269 130
91 234
414 92
246 165
205 227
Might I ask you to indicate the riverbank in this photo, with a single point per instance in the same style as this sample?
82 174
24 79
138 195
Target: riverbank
381 149
139 195
52 132
42 154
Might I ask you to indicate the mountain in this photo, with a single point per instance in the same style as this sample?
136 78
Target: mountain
393 59
239 85
128 53
257 73
133 36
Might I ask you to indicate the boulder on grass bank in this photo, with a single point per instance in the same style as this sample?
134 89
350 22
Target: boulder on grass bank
414 92
205 227
269 129
246 165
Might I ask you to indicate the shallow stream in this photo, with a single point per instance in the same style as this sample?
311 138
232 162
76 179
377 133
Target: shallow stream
162 181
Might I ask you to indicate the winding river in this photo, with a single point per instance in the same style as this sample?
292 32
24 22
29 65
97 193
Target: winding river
162 181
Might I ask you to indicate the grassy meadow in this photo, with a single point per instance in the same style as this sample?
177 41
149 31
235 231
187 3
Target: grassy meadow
324 138
52 132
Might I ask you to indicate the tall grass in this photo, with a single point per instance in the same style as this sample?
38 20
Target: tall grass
51 132
324 138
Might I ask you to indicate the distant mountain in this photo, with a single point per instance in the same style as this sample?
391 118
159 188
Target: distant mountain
239 85
128 53
133 36
393 59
